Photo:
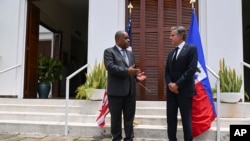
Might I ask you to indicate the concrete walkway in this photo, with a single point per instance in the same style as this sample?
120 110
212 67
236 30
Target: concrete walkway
41 137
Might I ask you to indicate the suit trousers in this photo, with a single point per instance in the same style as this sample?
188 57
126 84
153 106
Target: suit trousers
175 101
118 106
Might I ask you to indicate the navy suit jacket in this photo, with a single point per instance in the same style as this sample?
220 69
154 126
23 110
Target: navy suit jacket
120 83
182 73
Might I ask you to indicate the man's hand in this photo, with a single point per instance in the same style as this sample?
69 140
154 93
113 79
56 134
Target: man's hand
133 71
141 76
173 87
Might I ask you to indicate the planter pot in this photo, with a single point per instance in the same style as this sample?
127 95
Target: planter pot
43 90
97 94
230 97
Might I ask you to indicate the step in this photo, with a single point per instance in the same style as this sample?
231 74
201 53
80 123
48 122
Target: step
226 122
235 110
79 118
144 119
91 130
49 106
151 104
39 101
39 108
143 107
48 117
151 111
143 113
74 117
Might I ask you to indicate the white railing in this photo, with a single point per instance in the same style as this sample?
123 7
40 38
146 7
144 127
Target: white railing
10 68
244 64
67 96
217 100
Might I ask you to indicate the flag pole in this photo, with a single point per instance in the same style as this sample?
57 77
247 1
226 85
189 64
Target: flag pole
130 6
129 24
192 2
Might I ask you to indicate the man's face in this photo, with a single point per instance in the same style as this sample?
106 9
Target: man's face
124 40
175 38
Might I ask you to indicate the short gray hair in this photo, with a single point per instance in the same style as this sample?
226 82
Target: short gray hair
119 34
180 30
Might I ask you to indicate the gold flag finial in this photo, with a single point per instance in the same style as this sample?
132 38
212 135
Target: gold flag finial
130 6
192 2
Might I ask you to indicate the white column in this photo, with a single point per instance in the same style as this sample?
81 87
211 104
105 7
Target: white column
105 18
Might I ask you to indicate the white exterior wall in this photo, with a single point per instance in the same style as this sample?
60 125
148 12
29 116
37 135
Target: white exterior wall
105 18
221 33
12 43
220 27
46 35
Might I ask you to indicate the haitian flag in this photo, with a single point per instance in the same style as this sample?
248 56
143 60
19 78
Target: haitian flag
203 109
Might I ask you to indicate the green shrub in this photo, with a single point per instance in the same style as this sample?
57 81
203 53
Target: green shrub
96 79
229 80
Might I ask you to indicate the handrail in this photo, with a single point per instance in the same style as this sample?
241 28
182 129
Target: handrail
67 96
10 68
246 64
217 100
243 83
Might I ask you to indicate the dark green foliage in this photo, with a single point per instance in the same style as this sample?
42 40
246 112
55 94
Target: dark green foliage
49 69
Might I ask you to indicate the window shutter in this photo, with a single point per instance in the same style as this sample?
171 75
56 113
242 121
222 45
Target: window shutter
151 23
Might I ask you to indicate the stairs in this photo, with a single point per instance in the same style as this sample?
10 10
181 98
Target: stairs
47 116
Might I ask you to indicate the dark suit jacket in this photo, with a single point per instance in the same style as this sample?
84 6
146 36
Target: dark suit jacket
182 73
120 83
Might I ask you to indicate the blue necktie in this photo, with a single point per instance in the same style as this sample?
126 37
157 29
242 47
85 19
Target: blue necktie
125 55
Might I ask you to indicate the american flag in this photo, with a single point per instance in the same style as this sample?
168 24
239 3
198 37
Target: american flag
128 30
104 110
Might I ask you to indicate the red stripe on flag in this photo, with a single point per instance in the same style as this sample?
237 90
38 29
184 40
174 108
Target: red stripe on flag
104 110
202 111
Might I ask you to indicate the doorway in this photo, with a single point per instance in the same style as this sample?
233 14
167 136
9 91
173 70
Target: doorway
246 43
68 26
50 45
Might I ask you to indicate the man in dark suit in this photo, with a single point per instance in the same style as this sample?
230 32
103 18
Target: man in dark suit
180 68
121 88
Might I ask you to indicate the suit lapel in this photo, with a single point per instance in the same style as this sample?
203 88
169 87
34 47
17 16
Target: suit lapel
172 55
120 55
183 50
129 57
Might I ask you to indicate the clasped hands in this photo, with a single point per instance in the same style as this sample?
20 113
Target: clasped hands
173 87
135 71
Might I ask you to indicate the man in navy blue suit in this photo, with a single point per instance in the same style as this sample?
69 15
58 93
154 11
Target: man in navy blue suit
180 68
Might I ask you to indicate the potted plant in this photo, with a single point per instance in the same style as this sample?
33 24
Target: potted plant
49 70
95 84
230 84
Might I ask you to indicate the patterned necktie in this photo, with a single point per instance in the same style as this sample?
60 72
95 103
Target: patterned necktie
124 54
175 54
